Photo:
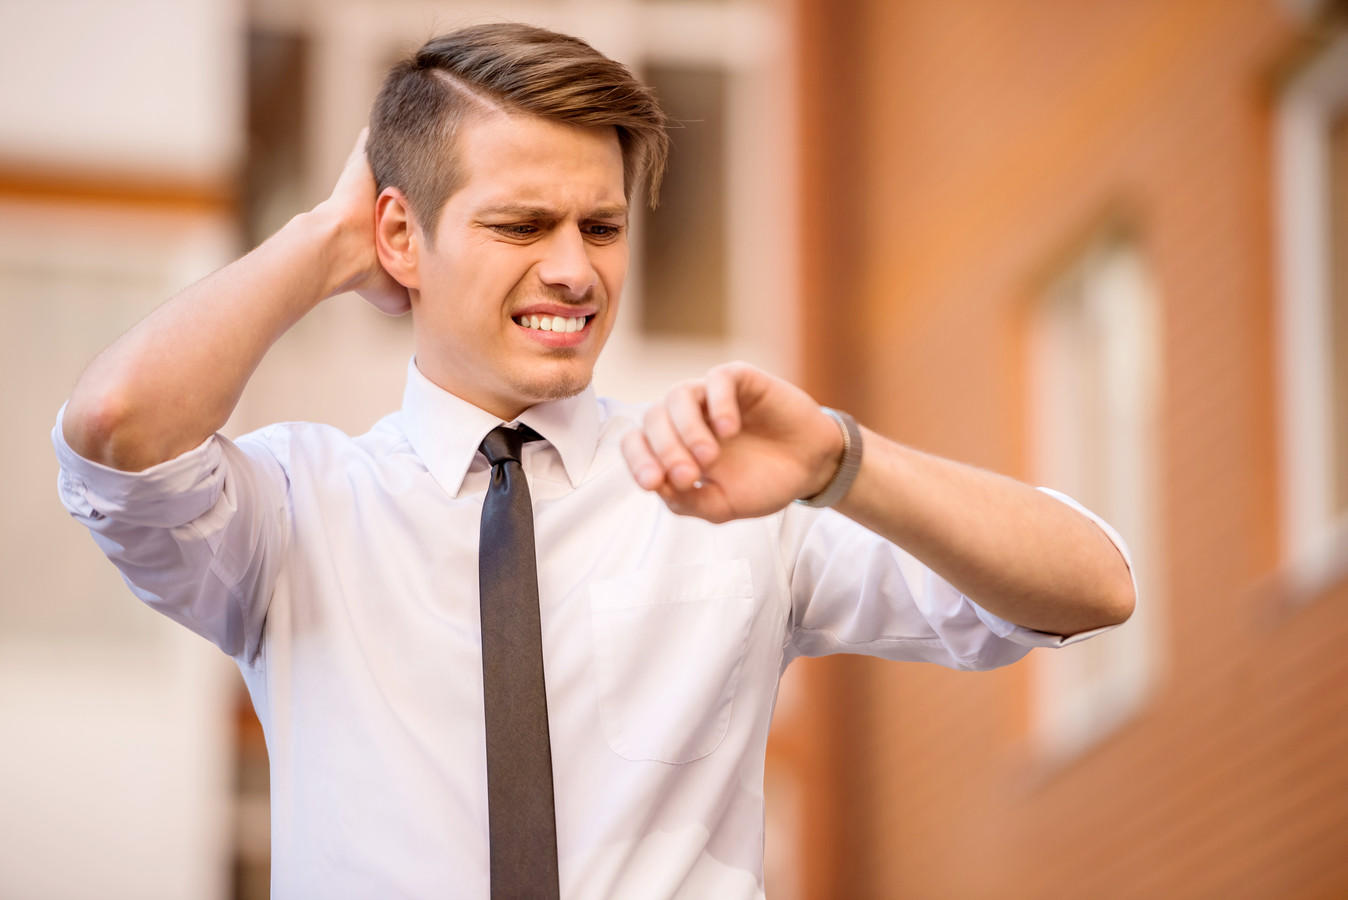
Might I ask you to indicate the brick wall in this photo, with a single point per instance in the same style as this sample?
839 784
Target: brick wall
953 156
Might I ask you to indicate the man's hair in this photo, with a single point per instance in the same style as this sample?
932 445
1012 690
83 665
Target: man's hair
512 68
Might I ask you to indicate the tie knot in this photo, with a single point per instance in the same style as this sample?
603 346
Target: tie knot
503 444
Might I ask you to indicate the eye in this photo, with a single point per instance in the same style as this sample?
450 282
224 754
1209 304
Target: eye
516 229
602 232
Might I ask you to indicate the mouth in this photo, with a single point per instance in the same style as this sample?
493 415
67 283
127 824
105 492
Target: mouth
559 324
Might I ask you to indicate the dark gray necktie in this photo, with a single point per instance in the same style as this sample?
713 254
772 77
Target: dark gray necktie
520 811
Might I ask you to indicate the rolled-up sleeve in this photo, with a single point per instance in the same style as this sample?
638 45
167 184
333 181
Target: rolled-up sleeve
855 592
1029 638
200 537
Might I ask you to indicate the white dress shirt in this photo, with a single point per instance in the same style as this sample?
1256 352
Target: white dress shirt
341 575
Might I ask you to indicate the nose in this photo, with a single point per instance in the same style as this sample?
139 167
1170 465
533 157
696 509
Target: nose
566 263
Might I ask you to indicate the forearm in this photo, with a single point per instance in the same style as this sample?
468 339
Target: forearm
739 443
174 378
1017 552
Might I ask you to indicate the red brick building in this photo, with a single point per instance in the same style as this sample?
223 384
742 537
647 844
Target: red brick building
1099 246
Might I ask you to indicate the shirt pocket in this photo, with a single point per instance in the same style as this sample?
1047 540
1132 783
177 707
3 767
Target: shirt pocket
669 644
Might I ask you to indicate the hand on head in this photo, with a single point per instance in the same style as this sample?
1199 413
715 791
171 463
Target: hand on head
737 443
353 202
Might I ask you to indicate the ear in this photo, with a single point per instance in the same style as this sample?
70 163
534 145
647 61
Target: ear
397 239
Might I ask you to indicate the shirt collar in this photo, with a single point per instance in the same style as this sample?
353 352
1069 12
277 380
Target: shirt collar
446 430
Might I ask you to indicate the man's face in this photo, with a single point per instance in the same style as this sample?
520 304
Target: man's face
519 289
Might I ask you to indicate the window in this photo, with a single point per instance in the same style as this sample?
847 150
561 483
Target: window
1094 380
683 242
1312 207
1338 306
72 276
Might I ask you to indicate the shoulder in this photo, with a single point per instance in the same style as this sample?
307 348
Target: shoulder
298 443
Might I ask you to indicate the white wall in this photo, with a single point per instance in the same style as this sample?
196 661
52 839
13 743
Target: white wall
151 87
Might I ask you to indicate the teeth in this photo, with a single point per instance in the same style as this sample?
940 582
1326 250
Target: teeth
551 323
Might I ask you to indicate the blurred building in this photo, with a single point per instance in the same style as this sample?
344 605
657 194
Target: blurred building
1104 247
1099 246
144 144
118 144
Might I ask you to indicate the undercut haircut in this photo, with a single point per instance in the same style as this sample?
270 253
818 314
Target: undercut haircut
504 68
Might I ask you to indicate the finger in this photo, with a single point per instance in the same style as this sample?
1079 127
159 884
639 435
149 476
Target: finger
723 404
641 461
681 468
705 502
355 183
689 417
356 159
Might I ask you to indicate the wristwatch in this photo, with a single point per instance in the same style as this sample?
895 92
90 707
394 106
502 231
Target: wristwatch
847 469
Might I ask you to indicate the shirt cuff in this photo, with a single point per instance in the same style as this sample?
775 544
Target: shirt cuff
1028 637
165 495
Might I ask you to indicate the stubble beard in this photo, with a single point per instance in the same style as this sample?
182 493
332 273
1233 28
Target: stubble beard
542 388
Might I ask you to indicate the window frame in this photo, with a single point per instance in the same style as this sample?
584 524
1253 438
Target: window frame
1314 536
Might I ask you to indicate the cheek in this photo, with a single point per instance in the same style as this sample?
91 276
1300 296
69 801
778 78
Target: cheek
614 271
470 291
490 278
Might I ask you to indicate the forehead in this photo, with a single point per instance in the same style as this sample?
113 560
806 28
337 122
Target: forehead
527 159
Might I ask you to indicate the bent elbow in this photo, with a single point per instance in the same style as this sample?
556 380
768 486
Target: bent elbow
90 423
1120 601
100 426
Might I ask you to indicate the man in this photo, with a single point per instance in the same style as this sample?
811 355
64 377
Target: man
676 577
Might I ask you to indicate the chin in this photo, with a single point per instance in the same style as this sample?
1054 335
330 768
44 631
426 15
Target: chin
556 388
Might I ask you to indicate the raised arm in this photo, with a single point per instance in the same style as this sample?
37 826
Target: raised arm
740 443
173 379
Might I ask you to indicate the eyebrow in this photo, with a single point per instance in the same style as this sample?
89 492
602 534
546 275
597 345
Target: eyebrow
538 212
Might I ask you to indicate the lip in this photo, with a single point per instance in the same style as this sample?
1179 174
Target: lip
554 339
556 309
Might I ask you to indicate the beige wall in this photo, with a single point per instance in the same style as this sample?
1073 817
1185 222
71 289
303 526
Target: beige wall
115 746
120 181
